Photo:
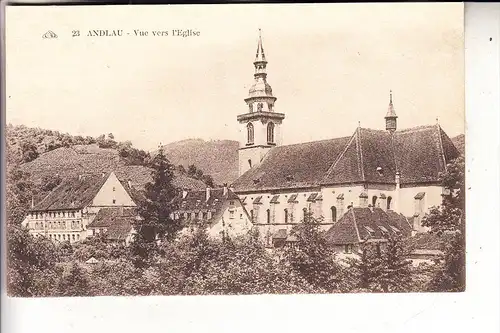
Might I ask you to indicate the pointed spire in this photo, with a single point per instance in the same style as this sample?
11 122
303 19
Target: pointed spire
260 56
390 110
390 117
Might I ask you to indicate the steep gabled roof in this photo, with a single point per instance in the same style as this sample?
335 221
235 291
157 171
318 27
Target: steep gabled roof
292 166
73 193
109 216
368 156
361 224
422 153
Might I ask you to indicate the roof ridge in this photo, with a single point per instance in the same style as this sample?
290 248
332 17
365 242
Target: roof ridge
359 147
311 142
355 224
330 170
415 129
393 148
441 148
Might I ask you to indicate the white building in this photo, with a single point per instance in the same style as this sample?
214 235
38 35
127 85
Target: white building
391 169
67 211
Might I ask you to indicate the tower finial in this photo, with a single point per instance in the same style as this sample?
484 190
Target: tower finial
390 117
260 56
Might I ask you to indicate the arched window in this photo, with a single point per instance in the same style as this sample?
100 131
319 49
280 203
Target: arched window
268 216
250 107
251 215
333 210
259 107
389 201
250 133
270 133
374 200
286 215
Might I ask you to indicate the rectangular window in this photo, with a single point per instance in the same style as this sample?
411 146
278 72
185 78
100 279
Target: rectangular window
114 201
231 214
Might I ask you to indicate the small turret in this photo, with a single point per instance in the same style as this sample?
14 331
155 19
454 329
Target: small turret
391 117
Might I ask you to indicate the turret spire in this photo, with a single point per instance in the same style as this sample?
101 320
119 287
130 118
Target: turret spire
260 56
390 117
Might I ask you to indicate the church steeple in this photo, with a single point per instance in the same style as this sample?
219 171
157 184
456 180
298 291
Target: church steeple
391 117
260 125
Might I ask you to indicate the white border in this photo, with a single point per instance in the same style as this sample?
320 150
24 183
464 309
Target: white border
475 310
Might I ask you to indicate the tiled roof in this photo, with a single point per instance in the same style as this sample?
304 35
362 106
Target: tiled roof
368 156
361 224
306 163
109 216
195 202
422 153
73 193
121 229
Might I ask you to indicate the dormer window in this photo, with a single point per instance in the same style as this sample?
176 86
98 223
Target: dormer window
380 171
289 177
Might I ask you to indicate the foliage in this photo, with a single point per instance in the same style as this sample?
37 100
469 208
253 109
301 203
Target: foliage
155 211
312 257
449 219
383 268
75 281
197 173
30 262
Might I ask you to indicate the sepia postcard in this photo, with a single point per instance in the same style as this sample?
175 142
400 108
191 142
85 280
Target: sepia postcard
235 149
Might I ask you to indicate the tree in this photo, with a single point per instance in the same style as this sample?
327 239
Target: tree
312 257
29 151
30 263
208 180
448 219
383 268
191 171
155 210
75 282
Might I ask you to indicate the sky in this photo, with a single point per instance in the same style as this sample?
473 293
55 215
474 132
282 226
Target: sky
331 66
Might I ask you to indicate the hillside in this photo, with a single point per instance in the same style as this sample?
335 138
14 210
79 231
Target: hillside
218 158
85 159
459 142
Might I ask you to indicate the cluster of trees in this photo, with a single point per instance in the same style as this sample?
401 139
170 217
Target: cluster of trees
196 173
162 261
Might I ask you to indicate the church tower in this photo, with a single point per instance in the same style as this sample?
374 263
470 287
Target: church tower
260 126
390 117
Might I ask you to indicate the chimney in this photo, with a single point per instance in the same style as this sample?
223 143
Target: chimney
184 193
370 206
103 174
207 194
80 177
224 192
363 200
129 182
32 201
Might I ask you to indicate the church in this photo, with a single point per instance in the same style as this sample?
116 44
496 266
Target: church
392 170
